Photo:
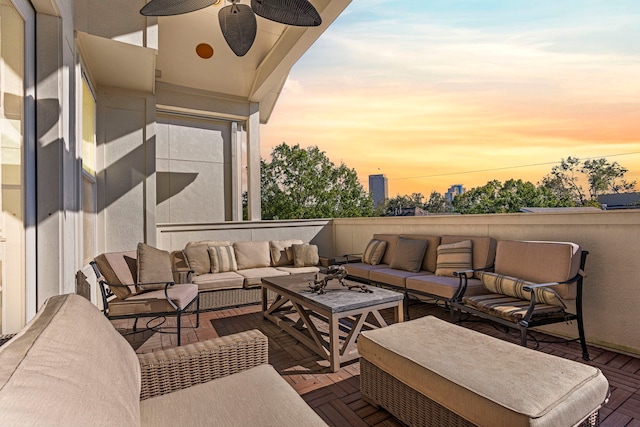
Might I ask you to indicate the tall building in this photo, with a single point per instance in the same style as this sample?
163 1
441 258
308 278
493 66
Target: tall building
453 191
378 189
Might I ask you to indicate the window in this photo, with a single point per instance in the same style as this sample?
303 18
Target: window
88 172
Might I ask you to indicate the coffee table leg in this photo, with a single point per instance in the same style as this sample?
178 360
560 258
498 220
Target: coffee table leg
334 341
399 312
264 301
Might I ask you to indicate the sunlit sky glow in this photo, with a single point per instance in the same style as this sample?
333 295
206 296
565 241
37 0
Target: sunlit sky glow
441 92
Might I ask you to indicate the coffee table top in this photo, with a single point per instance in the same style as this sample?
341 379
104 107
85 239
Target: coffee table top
336 298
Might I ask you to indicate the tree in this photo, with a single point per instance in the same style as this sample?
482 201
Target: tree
438 204
513 195
394 205
303 183
601 176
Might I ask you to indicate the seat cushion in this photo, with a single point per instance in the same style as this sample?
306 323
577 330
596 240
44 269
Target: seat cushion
362 270
298 270
69 367
155 301
443 286
213 281
252 254
393 277
485 380
256 397
510 308
253 276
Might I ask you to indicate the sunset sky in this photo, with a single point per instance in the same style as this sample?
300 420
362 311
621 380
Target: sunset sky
441 92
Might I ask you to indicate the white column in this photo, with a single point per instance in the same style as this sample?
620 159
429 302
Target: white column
253 163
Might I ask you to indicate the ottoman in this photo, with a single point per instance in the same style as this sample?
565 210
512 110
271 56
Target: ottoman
431 372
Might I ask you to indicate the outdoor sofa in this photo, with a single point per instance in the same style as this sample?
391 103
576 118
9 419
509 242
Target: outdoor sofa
230 274
70 367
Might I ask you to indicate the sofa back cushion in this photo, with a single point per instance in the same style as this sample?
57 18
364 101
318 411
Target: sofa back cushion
119 268
281 251
392 241
409 255
430 256
69 366
540 262
374 251
483 253
252 254
305 255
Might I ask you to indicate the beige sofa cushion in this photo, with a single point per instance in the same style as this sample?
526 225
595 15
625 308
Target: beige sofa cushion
454 257
430 256
540 262
486 380
305 255
255 397
119 268
154 266
223 259
214 281
198 258
252 254
512 286
279 252
155 301
392 241
394 277
69 367
374 251
409 255
362 270
443 286
209 243
253 276
484 250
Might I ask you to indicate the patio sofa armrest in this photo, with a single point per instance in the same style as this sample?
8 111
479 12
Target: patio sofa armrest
164 371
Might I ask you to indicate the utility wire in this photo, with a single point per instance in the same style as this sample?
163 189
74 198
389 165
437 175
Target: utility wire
508 167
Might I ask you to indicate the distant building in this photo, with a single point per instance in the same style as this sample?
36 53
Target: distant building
454 190
415 211
619 201
378 189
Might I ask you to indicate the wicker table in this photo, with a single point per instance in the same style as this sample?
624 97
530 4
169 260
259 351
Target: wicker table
301 313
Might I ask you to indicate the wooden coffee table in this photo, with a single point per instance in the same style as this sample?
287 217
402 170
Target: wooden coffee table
300 313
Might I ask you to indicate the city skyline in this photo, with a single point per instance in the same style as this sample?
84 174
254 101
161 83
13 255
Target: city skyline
441 92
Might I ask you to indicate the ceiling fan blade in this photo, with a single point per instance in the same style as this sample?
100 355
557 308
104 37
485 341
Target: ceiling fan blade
291 12
173 7
238 25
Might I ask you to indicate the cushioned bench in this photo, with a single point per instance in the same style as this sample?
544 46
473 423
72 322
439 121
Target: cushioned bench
431 372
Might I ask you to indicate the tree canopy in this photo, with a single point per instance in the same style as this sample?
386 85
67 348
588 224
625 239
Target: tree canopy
303 183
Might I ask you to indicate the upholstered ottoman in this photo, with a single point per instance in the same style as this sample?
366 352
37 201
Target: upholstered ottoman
430 372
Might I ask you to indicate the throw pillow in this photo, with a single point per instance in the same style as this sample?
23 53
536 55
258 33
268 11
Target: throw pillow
374 252
513 287
409 255
281 253
154 266
454 257
223 259
198 258
305 255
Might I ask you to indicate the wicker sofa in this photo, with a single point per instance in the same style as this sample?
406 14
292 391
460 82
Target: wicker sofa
238 283
70 367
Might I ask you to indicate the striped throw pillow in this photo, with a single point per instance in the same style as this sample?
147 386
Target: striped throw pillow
513 287
223 259
453 257
374 252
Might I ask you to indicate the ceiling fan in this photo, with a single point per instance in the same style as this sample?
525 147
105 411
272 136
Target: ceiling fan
238 21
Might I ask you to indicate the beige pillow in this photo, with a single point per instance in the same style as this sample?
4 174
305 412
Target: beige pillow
305 255
154 266
409 254
374 252
252 254
223 259
513 287
454 257
281 253
198 258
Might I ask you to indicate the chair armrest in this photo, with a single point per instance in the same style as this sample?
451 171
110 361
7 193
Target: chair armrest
463 275
164 371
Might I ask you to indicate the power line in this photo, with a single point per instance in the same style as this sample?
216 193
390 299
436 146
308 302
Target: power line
507 167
